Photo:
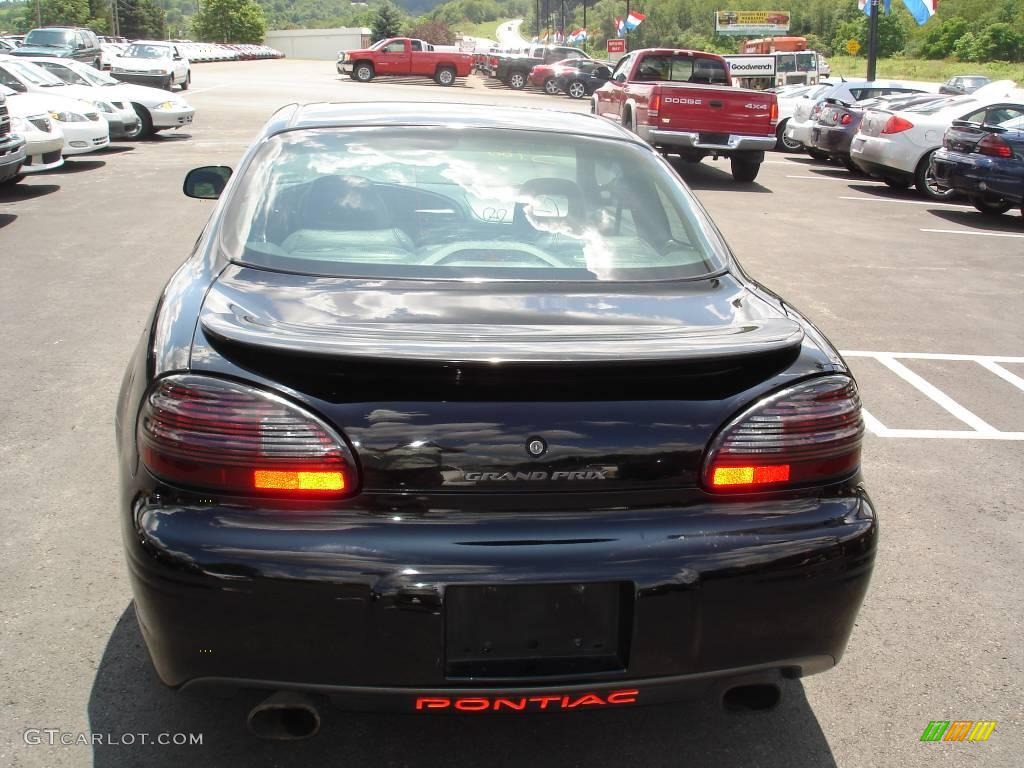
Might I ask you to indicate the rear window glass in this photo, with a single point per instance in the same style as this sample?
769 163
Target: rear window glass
681 69
466 203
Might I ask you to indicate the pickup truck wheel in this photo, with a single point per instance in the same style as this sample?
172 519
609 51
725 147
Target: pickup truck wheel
363 72
990 207
517 80
576 89
445 76
627 121
551 87
926 182
744 170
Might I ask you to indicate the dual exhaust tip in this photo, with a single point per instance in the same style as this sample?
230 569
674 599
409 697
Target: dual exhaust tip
290 716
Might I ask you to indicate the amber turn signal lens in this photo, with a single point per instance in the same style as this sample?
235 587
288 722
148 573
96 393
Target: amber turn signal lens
273 480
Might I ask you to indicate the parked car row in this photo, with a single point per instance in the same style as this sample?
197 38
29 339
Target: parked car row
56 107
207 52
943 145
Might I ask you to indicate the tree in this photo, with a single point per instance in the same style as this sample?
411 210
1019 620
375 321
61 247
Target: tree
387 22
434 31
230 21
141 19
69 13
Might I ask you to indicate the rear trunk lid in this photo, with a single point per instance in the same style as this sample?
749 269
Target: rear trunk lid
715 110
455 387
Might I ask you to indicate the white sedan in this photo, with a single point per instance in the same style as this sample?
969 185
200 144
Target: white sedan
80 124
789 101
798 128
897 146
157 110
153 62
23 75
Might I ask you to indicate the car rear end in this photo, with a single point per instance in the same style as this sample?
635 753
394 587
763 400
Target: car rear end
805 115
886 145
435 494
985 163
834 129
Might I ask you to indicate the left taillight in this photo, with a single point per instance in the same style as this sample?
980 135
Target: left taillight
219 435
807 434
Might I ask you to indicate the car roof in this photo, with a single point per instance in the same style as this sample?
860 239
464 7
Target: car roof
325 114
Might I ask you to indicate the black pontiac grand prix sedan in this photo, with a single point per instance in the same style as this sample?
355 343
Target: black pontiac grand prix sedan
471 409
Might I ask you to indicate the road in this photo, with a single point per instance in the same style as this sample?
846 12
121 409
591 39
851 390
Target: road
85 252
509 36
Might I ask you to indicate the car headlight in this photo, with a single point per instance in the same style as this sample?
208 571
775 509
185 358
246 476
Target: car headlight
68 117
103 106
168 105
122 70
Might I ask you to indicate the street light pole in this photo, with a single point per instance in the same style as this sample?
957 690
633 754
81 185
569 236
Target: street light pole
625 29
873 40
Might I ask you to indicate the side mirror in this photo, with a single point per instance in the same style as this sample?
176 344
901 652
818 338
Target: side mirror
619 78
206 183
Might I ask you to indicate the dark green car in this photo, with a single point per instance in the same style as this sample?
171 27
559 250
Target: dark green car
63 43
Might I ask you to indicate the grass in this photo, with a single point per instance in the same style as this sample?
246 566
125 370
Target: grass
483 29
935 70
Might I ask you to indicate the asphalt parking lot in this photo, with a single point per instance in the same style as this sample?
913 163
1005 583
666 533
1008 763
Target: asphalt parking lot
928 297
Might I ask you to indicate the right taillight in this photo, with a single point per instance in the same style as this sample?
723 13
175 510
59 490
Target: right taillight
806 434
896 124
993 146
218 435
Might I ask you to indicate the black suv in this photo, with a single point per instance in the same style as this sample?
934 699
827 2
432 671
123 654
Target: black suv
63 43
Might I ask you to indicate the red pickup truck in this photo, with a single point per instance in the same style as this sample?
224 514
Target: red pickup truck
403 56
681 103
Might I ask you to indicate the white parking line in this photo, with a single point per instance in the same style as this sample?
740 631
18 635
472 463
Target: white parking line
903 202
968 232
824 177
194 91
981 429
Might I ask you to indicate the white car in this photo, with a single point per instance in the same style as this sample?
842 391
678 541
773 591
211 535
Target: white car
798 127
789 100
44 142
897 146
79 122
155 63
109 52
157 110
21 74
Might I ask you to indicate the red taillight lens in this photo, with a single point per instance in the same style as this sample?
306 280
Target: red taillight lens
806 434
654 106
993 146
896 124
845 119
774 111
219 435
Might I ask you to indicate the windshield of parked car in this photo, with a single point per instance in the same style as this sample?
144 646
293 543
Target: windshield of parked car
50 38
147 51
90 75
32 74
466 203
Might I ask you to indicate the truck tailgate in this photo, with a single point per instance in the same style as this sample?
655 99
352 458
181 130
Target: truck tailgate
715 110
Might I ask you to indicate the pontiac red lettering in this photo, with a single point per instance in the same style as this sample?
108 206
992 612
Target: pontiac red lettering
547 702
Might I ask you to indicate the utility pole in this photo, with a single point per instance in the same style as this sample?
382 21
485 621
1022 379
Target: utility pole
873 40
536 23
39 13
117 20
585 17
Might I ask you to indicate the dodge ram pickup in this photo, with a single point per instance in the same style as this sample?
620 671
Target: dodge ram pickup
401 56
681 103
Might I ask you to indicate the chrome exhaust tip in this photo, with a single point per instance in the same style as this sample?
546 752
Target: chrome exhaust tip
285 716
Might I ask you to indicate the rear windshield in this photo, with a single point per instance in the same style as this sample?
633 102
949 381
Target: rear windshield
146 51
466 203
681 69
58 38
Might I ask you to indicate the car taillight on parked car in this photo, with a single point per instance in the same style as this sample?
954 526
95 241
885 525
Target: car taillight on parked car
846 119
993 146
896 124
808 433
219 435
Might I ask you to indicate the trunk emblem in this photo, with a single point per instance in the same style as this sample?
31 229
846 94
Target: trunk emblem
536 446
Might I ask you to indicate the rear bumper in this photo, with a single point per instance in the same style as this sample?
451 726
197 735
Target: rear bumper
799 130
890 156
834 140
977 175
692 140
355 604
